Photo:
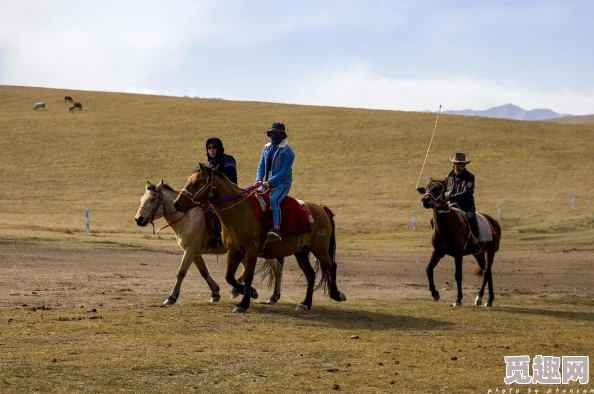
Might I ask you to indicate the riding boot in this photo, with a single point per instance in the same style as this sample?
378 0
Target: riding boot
213 228
274 235
473 245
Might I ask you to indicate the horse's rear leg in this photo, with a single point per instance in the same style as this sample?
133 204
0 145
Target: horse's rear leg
459 280
181 274
276 267
489 275
310 275
215 296
480 258
435 257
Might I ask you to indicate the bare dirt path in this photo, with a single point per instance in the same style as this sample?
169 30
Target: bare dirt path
60 276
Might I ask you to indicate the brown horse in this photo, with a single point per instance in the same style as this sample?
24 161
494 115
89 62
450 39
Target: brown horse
449 238
67 99
245 235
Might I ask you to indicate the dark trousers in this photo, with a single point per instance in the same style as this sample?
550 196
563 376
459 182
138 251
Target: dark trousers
471 216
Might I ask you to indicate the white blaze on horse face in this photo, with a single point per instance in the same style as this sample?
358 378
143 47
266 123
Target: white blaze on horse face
148 205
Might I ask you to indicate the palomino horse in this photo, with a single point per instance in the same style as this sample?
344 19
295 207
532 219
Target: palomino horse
190 231
450 239
246 234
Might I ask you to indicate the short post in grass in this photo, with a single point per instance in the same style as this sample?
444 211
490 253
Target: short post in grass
572 201
414 218
87 221
499 211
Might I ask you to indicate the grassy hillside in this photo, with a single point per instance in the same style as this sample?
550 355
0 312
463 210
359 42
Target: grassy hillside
574 119
364 164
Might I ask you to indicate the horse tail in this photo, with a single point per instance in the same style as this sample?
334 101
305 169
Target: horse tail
267 273
325 279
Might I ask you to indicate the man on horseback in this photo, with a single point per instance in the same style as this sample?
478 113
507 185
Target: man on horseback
275 173
459 190
219 161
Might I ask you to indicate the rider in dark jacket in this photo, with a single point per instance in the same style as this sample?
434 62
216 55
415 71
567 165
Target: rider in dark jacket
219 161
459 189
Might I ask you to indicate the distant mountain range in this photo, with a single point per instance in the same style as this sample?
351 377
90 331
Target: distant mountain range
510 111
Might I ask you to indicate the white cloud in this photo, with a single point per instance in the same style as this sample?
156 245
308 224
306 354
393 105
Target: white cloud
358 87
99 45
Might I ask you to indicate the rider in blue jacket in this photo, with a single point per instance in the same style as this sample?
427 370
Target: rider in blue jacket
275 173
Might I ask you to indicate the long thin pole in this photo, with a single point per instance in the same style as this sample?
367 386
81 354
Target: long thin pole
430 142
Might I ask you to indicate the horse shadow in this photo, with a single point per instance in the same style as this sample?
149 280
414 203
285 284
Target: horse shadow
569 315
355 318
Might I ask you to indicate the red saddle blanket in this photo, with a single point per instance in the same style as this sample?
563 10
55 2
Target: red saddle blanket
295 219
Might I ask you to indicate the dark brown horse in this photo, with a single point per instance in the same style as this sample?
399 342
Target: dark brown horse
68 99
245 235
77 106
449 238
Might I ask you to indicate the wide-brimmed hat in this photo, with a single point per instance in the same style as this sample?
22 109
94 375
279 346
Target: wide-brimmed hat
460 158
278 127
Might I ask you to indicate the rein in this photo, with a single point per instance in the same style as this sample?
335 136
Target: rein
209 186
165 214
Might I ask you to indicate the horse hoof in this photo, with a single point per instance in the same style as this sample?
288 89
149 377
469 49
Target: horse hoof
254 294
478 301
436 298
234 293
301 307
457 304
169 301
214 299
238 309
489 304
342 297
269 302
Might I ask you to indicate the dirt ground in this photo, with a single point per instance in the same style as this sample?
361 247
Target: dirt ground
65 277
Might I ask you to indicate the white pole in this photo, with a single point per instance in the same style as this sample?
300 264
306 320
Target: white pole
414 220
87 221
572 201
499 211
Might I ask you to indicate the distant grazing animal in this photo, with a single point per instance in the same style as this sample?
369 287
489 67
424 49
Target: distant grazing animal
450 238
40 105
71 109
190 231
78 106
68 99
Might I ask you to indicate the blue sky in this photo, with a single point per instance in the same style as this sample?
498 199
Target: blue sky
404 55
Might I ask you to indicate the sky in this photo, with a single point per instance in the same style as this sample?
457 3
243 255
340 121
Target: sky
397 55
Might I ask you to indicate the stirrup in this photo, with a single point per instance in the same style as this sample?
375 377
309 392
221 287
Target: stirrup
274 235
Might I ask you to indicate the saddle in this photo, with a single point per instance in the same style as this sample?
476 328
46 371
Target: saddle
296 216
485 228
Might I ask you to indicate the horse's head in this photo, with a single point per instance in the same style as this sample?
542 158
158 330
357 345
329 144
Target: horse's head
151 204
198 189
431 193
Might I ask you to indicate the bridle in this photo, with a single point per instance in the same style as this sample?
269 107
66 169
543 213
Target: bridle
438 200
209 187
161 204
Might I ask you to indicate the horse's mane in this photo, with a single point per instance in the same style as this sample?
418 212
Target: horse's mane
215 171
165 186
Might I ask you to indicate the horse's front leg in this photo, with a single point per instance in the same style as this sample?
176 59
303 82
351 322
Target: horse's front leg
241 280
435 257
458 280
187 258
214 287
250 268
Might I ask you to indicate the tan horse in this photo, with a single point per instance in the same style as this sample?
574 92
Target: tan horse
245 235
192 238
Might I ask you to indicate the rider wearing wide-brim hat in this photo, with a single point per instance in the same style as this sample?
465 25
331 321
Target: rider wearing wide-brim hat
459 189
275 172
